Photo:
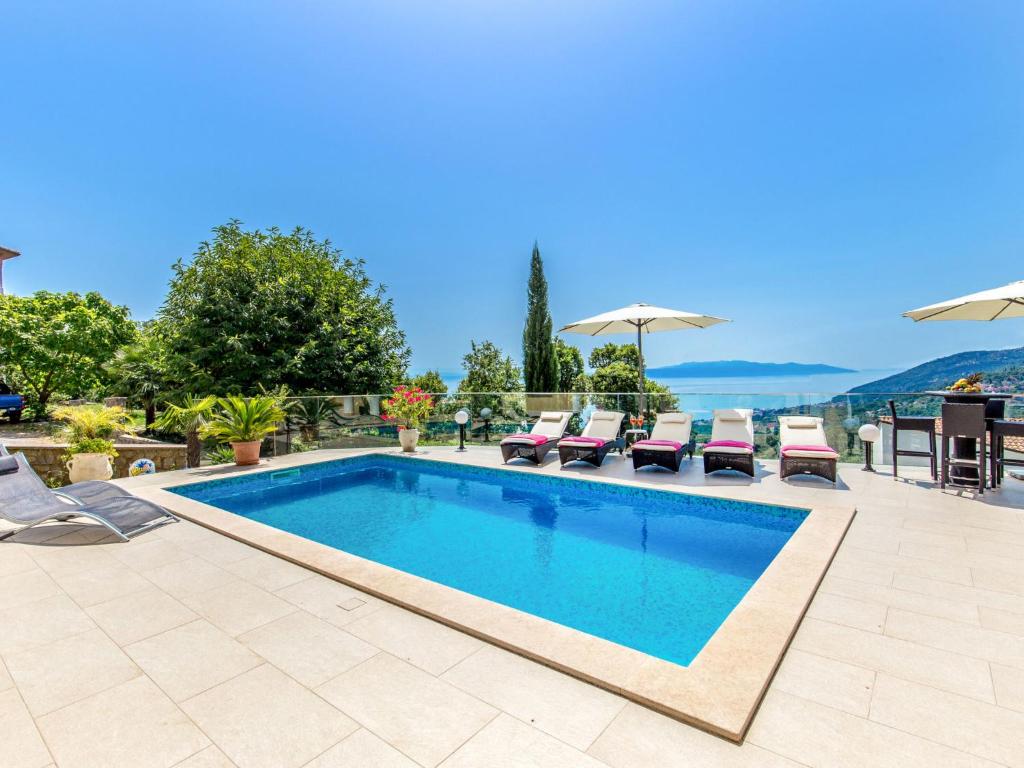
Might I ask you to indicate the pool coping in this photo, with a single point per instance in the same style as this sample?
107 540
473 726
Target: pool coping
718 692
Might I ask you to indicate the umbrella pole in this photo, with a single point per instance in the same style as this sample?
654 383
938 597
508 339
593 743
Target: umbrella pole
640 349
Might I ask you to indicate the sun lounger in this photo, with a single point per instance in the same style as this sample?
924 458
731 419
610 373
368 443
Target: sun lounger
732 442
670 440
26 501
600 436
804 449
534 445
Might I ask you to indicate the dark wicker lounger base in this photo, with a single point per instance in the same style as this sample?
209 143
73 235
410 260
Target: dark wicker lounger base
534 453
800 465
715 461
592 454
644 457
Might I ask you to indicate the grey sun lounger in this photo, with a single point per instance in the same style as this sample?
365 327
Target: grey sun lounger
26 501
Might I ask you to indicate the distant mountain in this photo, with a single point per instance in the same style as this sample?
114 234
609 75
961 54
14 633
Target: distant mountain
940 373
736 368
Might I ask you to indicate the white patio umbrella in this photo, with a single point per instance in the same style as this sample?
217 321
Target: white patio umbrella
993 304
641 319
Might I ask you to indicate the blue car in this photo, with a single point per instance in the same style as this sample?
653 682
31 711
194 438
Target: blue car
11 405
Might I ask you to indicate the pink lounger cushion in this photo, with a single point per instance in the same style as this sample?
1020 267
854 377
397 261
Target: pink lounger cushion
824 450
659 443
728 444
524 437
580 440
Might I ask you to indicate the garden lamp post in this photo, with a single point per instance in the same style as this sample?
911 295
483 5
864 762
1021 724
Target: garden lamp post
485 414
461 417
869 434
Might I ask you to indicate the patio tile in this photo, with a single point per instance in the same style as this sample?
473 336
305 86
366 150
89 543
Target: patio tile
211 757
221 550
21 745
133 725
956 637
863 572
641 738
826 681
999 581
970 559
1009 683
5 677
362 748
976 595
263 718
941 571
507 743
971 726
1002 621
269 572
149 552
67 558
944 608
324 597
823 737
41 622
237 607
98 585
189 659
52 676
140 615
26 587
431 646
14 559
419 715
307 648
562 706
184 578
913 661
848 611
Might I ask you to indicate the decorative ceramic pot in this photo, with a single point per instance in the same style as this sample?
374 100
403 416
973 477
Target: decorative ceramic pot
248 453
408 438
90 466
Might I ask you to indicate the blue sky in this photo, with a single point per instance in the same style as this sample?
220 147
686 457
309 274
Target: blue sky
809 170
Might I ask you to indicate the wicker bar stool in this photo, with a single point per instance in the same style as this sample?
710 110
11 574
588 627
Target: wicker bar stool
964 422
1002 428
912 424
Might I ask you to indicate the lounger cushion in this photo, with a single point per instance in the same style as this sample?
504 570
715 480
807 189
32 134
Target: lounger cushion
8 465
809 452
657 445
583 442
525 439
729 446
801 422
732 414
555 416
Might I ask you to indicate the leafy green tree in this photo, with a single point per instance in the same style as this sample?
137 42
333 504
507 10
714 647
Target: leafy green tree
430 382
570 367
615 353
617 373
488 370
280 309
540 363
57 342
139 371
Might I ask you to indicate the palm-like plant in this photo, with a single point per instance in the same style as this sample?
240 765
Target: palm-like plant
189 418
138 371
244 419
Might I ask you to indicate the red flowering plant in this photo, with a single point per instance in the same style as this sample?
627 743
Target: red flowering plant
409 406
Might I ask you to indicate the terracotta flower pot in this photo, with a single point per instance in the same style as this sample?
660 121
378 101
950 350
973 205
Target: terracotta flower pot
408 438
248 453
90 466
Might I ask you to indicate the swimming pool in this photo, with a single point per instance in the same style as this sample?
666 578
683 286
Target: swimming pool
655 571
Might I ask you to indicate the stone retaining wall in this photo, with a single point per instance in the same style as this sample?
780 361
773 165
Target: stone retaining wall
47 459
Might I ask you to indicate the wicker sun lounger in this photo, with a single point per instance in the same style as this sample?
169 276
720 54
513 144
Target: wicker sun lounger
669 442
732 442
804 449
27 502
534 445
599 437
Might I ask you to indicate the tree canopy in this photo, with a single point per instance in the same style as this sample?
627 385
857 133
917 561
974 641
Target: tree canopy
540 364
571 374
430 382
57 342
488 370
267 308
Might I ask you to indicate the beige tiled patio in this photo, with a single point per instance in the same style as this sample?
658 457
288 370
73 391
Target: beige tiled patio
185 648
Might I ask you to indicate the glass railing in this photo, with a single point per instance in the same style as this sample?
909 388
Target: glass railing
349 421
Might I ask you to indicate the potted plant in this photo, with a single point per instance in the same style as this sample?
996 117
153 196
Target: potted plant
188 418
88 429
243 422
409 407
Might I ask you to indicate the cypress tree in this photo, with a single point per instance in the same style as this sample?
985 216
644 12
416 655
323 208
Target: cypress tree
540 364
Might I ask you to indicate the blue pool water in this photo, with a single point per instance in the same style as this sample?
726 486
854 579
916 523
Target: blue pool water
653 570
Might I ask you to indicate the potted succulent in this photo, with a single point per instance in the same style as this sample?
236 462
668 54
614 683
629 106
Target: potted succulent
244 422
88 429
409 408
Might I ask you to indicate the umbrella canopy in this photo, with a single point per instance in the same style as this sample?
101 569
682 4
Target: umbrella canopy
993 304
641 319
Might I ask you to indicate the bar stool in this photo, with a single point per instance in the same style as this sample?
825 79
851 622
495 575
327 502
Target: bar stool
1002 428
964 421
912 424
